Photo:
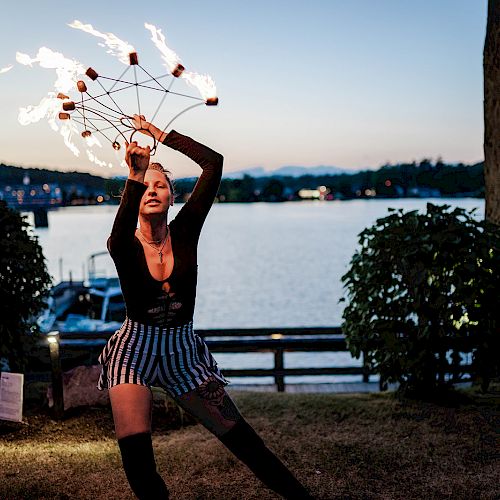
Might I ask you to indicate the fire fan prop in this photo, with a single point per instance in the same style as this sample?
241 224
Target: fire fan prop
95 110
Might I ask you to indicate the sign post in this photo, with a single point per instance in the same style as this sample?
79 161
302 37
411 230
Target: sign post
11 396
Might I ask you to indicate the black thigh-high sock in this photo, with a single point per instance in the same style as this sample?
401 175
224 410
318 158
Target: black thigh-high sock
246 444
140 467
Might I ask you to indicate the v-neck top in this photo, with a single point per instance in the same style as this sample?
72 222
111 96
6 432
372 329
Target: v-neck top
147 299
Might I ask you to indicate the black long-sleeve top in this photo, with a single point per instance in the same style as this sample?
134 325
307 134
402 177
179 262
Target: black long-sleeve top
148 300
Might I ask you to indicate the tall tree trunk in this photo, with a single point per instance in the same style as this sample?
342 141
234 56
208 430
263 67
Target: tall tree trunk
491 68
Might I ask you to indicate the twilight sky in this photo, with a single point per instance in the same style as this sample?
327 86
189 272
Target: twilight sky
320 82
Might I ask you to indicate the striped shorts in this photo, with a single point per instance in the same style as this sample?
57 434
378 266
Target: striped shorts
175 358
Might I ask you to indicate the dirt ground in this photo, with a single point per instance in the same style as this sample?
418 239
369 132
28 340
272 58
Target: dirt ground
341 446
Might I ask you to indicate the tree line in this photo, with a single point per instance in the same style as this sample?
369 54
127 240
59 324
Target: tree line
389 181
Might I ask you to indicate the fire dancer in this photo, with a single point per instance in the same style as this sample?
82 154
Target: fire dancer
156 345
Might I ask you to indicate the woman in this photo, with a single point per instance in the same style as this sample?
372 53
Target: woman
156 264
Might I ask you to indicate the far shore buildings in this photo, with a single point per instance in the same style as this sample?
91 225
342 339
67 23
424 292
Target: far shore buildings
30 196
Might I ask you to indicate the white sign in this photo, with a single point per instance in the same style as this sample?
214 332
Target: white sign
11 396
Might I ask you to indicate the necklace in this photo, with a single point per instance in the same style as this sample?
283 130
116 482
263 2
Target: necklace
154 244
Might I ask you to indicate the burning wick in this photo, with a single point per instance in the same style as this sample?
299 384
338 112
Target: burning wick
134 60
177 71
68 106
80 84
212 101
92 74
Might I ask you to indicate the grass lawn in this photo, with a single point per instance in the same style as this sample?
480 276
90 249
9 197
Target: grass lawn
341 446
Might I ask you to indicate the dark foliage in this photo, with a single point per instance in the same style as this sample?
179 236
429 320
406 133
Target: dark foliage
422 289
24 283
15 175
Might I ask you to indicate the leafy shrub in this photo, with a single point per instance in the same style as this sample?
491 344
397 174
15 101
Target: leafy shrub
422 289
24 283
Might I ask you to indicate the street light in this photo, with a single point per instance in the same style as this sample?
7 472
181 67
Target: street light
57 382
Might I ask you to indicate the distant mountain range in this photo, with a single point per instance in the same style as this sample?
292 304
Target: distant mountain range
288 171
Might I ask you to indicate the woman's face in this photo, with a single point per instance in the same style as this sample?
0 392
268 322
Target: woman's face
157 198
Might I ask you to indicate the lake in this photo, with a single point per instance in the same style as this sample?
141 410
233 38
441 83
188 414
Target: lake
260 265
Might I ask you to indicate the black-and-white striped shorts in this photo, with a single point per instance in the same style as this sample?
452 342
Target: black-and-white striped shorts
175 358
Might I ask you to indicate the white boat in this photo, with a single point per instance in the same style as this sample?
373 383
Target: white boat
95 304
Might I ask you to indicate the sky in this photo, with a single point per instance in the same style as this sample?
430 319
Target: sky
353 84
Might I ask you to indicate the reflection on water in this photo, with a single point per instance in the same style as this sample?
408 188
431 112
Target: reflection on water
260 265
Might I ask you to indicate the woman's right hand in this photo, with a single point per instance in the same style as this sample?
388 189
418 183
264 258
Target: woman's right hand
137 159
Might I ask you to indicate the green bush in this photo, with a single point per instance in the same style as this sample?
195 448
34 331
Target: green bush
422 289
24 284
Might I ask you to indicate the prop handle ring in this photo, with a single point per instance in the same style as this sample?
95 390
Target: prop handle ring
144 130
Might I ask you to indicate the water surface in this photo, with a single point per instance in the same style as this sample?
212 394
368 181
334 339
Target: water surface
260 265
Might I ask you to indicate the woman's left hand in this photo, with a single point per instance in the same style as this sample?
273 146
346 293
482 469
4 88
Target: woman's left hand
141 124
147 128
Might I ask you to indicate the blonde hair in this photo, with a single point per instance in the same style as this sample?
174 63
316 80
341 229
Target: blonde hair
168 176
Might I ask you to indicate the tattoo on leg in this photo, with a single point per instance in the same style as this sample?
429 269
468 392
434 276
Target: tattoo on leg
215 394
228 409
212 391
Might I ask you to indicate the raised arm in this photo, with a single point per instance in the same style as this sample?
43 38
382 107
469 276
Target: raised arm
206 187
203 195
125 223
122 234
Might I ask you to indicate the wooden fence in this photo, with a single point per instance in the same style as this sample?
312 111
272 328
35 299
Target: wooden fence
242 340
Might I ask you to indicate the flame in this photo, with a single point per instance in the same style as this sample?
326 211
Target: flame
92 140
67 131
67 70
49 107
7 68
204 83
116 47
169 56
93 158
24 59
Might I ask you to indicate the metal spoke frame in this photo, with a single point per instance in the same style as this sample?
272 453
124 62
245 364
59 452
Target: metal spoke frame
98 117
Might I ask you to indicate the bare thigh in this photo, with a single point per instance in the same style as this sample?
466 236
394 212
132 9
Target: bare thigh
212 406
131 405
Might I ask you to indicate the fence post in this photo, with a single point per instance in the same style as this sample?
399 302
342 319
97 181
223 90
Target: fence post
57 381
278 367
366 370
